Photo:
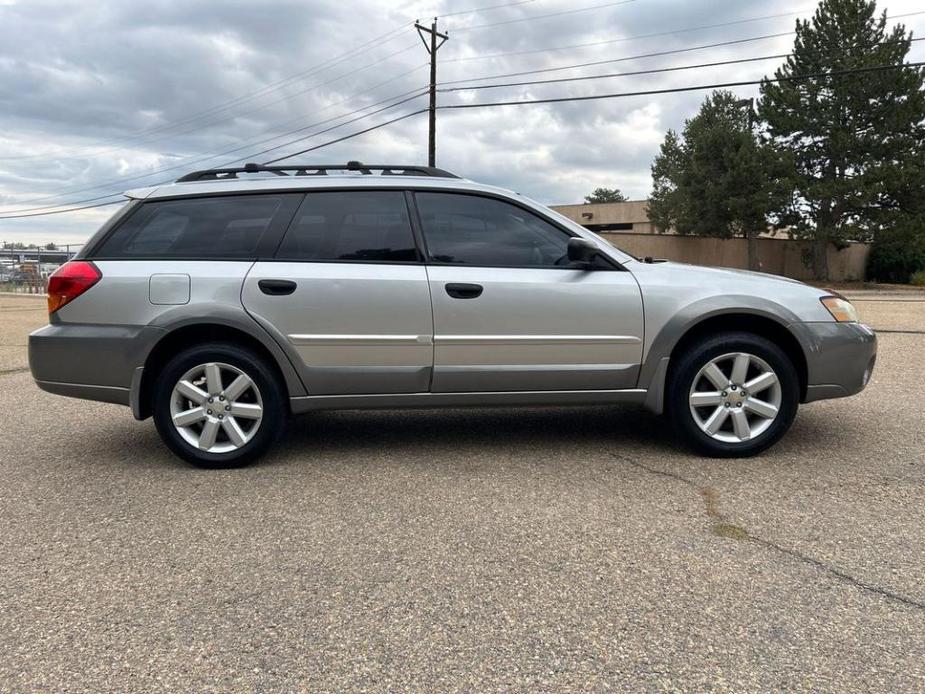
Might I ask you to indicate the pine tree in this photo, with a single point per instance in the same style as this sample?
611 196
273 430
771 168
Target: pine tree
599 195
716 179
854 139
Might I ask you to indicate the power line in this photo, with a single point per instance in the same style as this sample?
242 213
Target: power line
381 40
260 107
653 71
673 90
456 81
146 141
334 127
187 163
719 85
362 48
542 16
70 209
623 39
274 86
346 137
640 56
14 213
417 93
300 118
404 100
480 9
392 55
414 94
615 74
288 156
659 34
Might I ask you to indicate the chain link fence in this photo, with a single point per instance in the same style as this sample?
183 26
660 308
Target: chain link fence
26 270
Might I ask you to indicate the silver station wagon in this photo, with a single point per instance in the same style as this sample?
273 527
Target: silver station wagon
225 302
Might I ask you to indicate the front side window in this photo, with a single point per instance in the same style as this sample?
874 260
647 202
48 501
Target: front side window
474 230
359 226
214 227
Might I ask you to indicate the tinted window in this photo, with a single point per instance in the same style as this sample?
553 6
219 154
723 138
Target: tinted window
220 227
472 230
360 226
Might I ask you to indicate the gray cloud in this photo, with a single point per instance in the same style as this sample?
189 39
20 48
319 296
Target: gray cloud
96 97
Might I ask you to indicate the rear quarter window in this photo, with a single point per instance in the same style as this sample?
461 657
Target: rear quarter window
194 228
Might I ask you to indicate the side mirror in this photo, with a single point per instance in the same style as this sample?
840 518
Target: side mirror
582 251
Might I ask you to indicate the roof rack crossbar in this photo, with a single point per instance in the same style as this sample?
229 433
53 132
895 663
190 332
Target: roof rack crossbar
222 174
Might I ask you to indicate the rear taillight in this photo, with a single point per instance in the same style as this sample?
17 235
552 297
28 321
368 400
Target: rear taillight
70 281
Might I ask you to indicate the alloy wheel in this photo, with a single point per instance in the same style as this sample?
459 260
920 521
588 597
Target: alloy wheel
216 407
735 397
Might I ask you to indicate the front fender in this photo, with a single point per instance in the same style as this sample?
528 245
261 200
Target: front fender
664 337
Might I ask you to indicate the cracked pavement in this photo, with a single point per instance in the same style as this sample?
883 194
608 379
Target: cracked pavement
555 549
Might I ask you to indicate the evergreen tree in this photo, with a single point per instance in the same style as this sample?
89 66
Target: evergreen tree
599 195
855 139
716 179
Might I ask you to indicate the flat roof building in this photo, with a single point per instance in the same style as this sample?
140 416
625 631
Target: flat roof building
613 217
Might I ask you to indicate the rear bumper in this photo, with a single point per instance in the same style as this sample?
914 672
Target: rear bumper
94 362
119 396
840 358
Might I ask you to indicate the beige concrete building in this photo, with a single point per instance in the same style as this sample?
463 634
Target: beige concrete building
629 216
627 226
610 216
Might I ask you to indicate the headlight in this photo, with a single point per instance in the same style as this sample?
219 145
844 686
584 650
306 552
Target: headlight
841 309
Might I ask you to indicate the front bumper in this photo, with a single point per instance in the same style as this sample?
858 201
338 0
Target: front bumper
840 358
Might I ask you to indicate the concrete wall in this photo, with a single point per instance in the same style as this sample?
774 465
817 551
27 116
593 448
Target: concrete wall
778 256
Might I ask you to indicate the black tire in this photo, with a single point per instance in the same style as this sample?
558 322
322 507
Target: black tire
699 354
271 394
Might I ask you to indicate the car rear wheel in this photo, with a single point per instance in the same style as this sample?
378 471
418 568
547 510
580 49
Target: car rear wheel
733 394
218 405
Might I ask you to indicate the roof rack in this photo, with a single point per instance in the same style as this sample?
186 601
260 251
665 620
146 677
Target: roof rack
315 170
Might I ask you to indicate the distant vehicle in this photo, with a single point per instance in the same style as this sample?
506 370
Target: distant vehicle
225 302
47 269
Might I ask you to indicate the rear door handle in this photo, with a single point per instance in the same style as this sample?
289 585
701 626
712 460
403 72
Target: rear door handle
460 290
277 287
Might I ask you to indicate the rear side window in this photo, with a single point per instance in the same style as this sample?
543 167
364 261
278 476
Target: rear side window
359 226
219 227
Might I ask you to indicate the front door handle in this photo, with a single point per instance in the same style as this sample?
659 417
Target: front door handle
277 287
460 290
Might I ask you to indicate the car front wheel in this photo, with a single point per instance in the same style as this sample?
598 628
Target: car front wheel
733 394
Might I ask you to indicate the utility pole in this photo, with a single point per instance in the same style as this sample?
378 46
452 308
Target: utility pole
751 235
432 48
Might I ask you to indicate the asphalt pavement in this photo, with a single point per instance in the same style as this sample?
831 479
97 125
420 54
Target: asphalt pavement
549 549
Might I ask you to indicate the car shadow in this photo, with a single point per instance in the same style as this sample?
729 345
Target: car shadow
424 434
486 429
429 436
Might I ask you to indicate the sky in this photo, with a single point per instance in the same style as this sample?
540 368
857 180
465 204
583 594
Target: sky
101 97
